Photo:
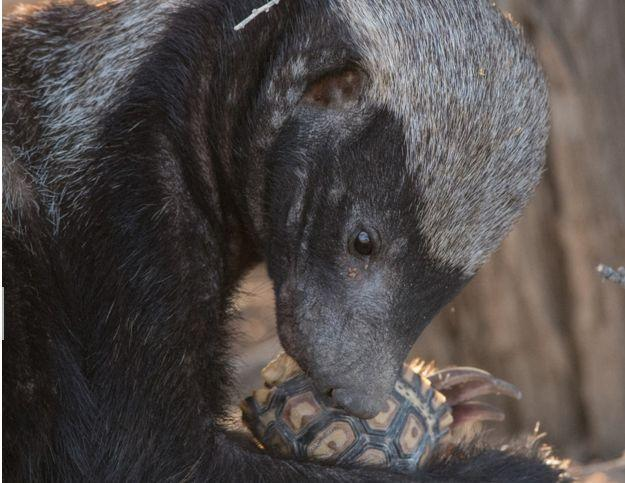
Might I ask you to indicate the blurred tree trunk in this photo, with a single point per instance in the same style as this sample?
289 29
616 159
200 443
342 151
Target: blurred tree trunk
538 314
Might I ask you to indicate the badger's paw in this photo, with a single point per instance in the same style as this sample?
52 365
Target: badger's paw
462 385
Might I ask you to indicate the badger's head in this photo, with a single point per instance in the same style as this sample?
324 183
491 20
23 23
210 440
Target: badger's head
405 139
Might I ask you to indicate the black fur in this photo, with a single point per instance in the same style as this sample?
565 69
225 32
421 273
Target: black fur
127 228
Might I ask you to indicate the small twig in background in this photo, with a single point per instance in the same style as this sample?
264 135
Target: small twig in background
255 13
617 276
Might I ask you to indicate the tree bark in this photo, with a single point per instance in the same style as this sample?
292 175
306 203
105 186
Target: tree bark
538 314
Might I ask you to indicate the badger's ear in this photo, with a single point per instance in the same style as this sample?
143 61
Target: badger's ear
337 90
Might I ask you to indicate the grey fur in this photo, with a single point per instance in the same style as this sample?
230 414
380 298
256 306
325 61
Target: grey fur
83 74
436 65
468 205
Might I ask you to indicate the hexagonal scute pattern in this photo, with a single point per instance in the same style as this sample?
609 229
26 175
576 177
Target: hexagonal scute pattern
411 435
332 440
292 419
383 420
300 411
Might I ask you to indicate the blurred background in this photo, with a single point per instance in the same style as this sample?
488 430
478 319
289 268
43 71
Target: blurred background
538 314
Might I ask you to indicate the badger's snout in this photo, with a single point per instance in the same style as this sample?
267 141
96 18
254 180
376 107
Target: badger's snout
359 390
349 332
343 339
361 402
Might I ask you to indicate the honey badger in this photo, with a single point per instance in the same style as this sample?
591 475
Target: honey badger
372 153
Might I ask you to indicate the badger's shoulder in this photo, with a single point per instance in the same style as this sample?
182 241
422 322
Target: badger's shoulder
72 62
65 66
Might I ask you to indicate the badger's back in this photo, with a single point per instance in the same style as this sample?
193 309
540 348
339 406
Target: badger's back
64 67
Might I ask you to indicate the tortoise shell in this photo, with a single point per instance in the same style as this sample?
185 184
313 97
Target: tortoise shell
291 418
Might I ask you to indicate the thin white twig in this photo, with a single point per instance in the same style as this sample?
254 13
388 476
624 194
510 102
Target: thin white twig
255 13
617 276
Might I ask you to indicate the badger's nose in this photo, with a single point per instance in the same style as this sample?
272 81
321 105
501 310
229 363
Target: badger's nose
358 403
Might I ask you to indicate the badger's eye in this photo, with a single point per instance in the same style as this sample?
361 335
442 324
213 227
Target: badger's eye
362 243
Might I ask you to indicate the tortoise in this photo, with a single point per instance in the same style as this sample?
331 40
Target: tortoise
289 417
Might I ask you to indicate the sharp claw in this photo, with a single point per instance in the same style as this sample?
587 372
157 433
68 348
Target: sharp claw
452 376
475 411
471 390
454 382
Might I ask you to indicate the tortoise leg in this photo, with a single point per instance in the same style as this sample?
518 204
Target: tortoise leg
460 385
